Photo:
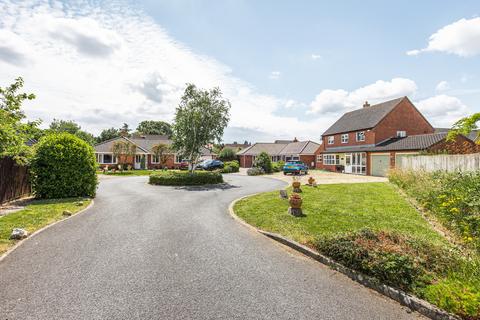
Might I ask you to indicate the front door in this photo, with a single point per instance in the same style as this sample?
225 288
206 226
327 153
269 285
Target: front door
348 163
138 161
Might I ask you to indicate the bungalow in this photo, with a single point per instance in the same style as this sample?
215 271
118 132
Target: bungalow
280 150
373 139
144 155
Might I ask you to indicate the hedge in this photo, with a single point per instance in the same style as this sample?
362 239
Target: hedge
231 166
185 178
63 166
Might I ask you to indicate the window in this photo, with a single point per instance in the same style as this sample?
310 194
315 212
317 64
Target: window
319 158
331 139
292 158
331 159
401 134
155 159
345 138
178 158
361 136
106 158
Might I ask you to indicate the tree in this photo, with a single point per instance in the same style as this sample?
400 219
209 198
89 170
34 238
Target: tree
123 149
14 134
162 152
108 134
465 126
69 126
200 119
263 161
155 127
125 130
227 154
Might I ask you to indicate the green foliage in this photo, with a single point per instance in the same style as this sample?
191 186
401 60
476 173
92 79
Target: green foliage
63 166
255 171
108 134
185 178
162 152
465 126
155 127
123 148
13 132
142 163
69 126
200 119
278 166
231 167
227 154
263 161
452 197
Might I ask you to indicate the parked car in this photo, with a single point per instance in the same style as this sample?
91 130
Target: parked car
183 165
295 167
210 165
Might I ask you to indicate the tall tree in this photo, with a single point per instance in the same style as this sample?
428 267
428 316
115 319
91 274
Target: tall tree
108 134
125 130
14 133
71 127
200 119
465 126
162 152
155 127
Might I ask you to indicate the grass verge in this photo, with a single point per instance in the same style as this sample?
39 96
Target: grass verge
36 215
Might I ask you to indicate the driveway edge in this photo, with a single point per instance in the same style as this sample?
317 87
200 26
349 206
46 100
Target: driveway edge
19 243
414 303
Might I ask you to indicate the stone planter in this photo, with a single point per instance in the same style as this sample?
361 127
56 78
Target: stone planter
295 205
296 186
311 181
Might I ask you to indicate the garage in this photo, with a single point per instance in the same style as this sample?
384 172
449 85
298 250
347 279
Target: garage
380 164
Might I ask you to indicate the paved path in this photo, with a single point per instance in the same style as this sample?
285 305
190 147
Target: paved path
151 252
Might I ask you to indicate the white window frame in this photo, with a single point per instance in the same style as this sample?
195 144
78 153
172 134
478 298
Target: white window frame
177 158
331 159
100 158
344 138
360 136
331 139
153 158
401 134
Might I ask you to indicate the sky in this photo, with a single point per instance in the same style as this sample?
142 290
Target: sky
289 68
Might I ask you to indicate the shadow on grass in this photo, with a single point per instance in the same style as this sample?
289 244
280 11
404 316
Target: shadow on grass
220 186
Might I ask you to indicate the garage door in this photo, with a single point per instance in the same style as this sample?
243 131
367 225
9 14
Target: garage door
380 165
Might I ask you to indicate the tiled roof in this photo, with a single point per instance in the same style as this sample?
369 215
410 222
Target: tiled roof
364 118
300 147
415 142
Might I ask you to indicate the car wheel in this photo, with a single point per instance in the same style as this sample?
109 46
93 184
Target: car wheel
284 173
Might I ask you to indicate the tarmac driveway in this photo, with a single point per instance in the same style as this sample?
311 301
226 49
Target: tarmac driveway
152 252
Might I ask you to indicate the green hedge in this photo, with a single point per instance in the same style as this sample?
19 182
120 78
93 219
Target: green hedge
231 166
63 166
185 178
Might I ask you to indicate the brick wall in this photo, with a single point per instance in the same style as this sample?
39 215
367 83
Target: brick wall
461 145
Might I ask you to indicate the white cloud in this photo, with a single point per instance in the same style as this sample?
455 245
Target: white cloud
339 101
315 56
461 38
442 86
274 75
106 64
442 110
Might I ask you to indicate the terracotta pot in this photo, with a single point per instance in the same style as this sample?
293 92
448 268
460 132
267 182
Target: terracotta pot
311 180
295 203
296 184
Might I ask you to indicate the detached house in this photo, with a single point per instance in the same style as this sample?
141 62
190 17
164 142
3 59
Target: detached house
280 150
143 153
373 139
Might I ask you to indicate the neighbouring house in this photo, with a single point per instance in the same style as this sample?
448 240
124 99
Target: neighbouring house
143 153
236 146
280 150
373 139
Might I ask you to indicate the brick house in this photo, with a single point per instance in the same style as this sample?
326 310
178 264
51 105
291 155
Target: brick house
373 139
280 150
143 153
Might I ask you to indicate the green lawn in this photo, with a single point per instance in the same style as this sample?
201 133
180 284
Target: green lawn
337 208
36 215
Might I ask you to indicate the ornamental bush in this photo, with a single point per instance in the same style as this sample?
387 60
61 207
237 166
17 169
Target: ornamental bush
185 178
63 166
227 154
255 171
263 161
231 166
278 166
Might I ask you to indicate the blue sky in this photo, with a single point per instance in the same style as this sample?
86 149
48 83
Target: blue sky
288 67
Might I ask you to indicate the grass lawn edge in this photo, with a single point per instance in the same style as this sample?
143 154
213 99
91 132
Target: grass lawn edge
36 232
405 299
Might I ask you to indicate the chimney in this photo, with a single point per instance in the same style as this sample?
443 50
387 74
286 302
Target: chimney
366 104
295 139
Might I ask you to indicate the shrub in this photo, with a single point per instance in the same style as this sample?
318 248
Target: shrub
263 161
278 166
453 197
255 171
185 178
393 259
227 154
63 166
231 166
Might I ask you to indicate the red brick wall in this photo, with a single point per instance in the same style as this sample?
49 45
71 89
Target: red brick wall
169 163
404 117
352 139
307 159
461 145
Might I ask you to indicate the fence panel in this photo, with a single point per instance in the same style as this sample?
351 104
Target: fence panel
14 180
444 162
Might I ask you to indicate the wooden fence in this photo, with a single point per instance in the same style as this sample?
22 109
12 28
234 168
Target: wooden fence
14 180
449 163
